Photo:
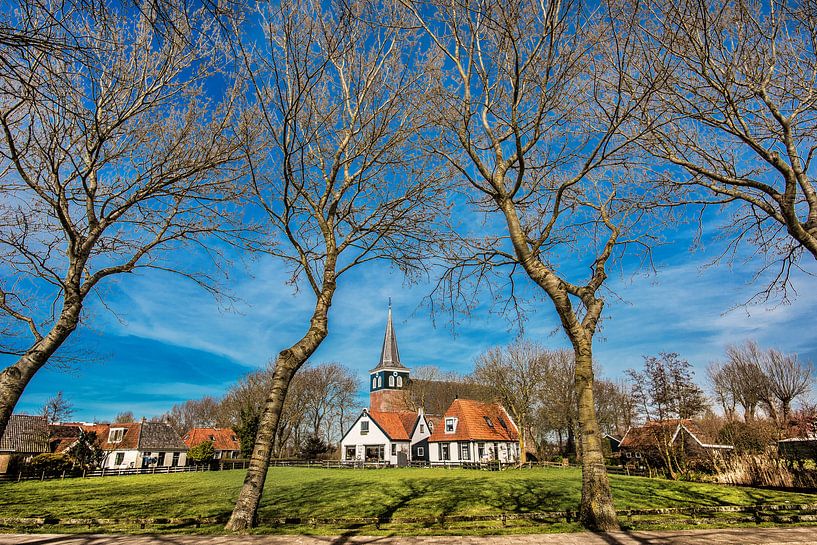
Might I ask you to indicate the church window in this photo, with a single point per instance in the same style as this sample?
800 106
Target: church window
379 381
364 427
399 381
374 382
391 381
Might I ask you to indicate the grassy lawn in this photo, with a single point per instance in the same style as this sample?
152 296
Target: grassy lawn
349 494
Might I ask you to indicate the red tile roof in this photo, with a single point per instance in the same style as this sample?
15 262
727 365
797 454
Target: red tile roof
144 436
473 419
396 425
656 432
222 438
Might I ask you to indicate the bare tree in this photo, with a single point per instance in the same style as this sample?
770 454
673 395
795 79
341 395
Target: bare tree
517 375
195 413
526 103
736 113
124 417
740 380
753 376
788 378
108 161
666 388
340 177
57 409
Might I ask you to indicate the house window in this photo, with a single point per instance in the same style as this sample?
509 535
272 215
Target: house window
217 455
450 425
175 460
480 450
421 451
445 453
422 428
399 381
488 421
116 435
394 449
465 451
119 458
351 453
161 460
391 381
364 427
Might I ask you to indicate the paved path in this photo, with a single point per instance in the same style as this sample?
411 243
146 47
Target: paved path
736 536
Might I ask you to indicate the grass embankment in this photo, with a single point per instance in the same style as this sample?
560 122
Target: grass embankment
431 494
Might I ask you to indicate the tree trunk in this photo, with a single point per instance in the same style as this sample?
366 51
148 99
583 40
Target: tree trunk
14 378
288 362
596 510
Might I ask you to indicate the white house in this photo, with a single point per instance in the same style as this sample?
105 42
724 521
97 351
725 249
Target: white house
139 445
472 431
385 437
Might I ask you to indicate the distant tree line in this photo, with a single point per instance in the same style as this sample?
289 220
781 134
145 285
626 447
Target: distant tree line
320 406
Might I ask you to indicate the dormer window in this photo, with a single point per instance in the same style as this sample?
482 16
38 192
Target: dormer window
234 438
364 427
488 422
212 438
115 435
450 425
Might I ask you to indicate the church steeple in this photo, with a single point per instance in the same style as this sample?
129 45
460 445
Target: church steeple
390 376
389 355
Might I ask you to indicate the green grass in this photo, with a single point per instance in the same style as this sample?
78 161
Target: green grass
347 494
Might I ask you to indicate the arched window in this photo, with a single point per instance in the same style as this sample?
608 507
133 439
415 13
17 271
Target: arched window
379 381
374 382
391 381
399 381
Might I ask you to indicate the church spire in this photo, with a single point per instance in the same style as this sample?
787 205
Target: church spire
389 355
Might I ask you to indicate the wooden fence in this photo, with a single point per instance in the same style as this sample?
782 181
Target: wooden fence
780 514
326 464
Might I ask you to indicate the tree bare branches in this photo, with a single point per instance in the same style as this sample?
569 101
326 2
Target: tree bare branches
109 160
735 113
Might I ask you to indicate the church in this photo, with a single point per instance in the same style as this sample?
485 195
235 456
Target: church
387 432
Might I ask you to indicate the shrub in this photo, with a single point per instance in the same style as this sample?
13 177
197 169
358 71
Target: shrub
203 452
50 464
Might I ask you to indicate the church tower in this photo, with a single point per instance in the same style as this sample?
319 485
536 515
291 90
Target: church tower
388 380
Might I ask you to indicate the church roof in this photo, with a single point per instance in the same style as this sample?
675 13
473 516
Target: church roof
389 355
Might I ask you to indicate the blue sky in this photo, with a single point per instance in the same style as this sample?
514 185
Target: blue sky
164 340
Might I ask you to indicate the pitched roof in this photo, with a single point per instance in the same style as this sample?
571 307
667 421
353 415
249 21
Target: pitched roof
389 355
63 436
143 436
25 434
654 432
222 438
396 425
159 435
476 421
